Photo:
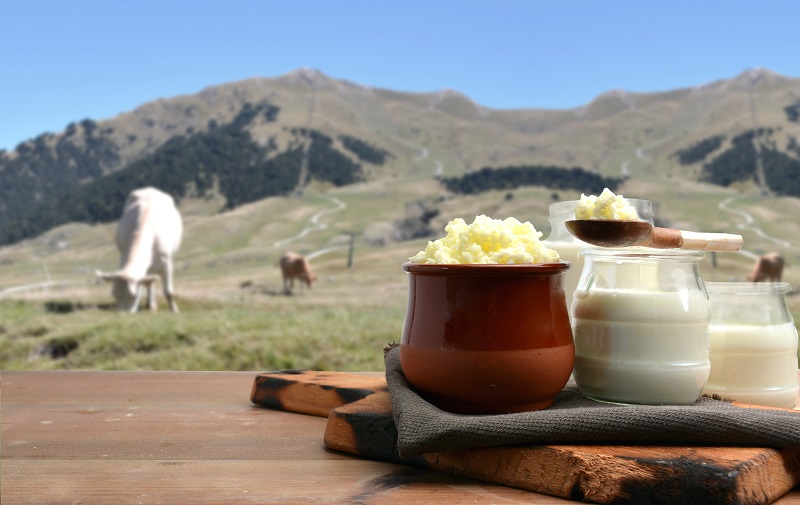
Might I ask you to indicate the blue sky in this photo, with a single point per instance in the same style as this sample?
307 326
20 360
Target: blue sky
64 61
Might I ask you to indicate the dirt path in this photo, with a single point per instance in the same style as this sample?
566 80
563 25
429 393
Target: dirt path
424 154
750 224
625 171
315 222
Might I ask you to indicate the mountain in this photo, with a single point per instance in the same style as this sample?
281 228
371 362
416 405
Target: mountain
258 138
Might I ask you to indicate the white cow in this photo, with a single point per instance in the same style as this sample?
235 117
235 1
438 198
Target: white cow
148 234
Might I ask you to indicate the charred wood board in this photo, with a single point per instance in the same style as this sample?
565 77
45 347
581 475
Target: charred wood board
360 422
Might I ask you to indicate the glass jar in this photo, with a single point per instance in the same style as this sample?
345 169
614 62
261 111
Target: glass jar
640 321
753 343
568 246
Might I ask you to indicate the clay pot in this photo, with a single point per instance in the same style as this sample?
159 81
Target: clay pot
487 339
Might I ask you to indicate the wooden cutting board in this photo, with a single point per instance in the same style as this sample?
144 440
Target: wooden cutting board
360 422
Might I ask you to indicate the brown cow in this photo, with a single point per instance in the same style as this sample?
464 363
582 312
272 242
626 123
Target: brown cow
768 267
294 266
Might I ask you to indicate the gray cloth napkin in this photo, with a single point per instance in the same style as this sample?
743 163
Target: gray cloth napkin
576 419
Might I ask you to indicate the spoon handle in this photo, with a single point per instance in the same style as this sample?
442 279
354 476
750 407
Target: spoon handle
710 241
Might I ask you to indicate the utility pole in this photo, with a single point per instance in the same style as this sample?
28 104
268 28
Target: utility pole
303 177
352 247
760 177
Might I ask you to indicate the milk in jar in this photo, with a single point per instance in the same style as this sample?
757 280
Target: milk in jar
640 323
753 344
568 246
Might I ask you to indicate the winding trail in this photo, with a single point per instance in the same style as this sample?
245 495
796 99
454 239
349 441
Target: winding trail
641 149
625 171
316 223
749 224
748 220
424 153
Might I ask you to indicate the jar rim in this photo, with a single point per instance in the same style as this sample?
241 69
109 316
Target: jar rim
747 288
568 206
485 268
636 252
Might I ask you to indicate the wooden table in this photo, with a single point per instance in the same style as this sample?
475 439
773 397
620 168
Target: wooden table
193 437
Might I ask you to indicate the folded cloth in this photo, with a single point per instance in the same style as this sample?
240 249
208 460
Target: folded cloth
576 419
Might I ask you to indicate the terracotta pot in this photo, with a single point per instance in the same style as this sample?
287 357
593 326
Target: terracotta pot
486 339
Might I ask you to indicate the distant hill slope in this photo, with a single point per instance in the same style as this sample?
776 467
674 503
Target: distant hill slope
257 138
223 159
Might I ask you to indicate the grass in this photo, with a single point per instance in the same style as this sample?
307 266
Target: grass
233 313
259 332
233 316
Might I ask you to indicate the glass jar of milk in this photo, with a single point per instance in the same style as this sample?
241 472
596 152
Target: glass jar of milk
753 343
640 323
568 246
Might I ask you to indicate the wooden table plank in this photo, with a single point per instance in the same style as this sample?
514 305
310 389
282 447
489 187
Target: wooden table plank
193 437
201 482
185 417
190 437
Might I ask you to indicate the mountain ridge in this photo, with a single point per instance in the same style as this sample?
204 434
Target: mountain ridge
464 135
312 75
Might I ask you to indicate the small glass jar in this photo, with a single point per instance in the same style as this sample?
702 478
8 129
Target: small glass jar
753 343
568 246
640 322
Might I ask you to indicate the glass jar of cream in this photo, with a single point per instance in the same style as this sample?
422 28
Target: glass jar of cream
753 343
640 321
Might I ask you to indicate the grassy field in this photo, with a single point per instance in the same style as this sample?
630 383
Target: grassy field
54 314
343 323
249 334
234 315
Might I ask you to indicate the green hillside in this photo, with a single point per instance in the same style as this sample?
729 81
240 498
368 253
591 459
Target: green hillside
386 170
247 140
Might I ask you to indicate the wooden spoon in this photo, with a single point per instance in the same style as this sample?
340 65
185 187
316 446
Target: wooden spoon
617 233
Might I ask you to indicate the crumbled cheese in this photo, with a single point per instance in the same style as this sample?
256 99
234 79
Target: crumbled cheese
487 241
606 206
